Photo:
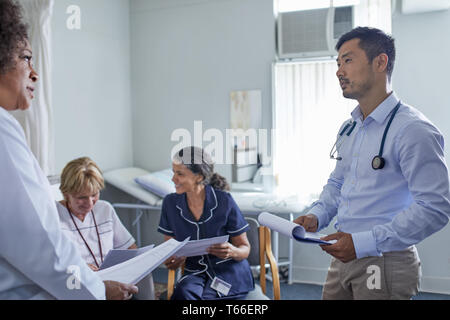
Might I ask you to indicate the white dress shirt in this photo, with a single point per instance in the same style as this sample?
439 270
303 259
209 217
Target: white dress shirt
403 203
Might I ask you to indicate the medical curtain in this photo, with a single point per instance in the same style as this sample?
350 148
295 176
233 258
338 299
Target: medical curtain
309 109
37 121
375 14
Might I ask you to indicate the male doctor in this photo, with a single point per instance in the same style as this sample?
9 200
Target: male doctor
36 260
390 187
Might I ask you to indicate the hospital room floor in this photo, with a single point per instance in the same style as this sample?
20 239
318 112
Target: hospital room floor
295 291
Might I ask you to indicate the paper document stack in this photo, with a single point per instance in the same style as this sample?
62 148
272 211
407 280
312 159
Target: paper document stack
130 266
135 269
198 247
116 256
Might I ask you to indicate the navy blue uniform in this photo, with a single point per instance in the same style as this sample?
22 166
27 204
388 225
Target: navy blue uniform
221 216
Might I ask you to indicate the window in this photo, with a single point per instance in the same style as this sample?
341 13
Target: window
309 108
296 5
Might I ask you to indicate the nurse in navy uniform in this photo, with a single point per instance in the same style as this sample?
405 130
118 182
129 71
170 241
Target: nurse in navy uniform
202 208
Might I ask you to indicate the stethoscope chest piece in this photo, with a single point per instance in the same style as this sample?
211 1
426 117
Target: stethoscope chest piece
378 163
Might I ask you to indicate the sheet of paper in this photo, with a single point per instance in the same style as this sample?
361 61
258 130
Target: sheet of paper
198 247
116 256
290 229
278 224
135 269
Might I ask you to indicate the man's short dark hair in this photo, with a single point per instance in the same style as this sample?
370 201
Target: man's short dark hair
374 42
13 33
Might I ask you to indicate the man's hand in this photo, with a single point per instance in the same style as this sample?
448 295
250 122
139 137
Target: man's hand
309 222
119 291
343 249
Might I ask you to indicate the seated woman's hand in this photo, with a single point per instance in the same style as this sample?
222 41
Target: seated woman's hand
223 250
174 262
93 267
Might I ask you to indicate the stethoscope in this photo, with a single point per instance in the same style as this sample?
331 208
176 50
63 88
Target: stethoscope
378 161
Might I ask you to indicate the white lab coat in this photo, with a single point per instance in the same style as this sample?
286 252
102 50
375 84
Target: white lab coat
37 261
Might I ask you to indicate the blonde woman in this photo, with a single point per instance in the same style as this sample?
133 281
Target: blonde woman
89 222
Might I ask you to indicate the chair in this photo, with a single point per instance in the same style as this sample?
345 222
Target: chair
261 248
146 289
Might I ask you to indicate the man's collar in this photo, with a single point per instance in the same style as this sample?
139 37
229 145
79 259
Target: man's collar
381 112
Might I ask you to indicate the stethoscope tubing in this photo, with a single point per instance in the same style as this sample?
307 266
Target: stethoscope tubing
352 125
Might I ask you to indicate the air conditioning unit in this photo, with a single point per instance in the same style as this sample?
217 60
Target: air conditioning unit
421 6
312 33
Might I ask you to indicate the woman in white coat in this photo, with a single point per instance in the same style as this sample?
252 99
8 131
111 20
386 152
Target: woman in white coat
36 260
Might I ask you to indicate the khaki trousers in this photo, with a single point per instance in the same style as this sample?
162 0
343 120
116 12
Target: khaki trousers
395 275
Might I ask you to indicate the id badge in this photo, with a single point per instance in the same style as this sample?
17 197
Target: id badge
221 286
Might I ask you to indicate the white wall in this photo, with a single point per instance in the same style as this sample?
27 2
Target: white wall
187 56
422 67
91 84
421 79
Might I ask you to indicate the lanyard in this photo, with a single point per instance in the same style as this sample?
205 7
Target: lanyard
85 242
